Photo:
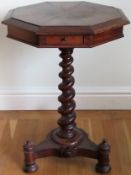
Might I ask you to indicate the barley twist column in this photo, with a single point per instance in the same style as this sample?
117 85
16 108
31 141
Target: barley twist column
67 130
67 120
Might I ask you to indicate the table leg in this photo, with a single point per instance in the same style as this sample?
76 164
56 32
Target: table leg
67 140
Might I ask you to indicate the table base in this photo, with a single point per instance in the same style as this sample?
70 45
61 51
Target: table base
67 140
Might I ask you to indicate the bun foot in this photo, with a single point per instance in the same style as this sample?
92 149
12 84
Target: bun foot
103 168
103 165
31 168
30 165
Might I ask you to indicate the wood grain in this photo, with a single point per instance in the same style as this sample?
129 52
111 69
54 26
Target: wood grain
82 24
17 126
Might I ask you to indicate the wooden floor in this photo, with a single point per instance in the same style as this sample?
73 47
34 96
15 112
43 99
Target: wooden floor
18 126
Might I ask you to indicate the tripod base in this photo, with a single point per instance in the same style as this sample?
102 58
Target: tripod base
80 145
67 140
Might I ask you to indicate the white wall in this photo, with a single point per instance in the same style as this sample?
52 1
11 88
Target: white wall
29 76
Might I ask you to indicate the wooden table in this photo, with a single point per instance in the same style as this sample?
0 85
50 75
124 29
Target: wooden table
66 25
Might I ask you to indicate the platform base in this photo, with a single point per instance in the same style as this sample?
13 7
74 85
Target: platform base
82 146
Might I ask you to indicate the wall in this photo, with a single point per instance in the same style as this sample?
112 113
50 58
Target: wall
29 76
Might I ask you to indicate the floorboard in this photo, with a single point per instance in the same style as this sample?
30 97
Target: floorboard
18 126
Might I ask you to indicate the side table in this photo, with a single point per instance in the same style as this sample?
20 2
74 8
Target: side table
66 25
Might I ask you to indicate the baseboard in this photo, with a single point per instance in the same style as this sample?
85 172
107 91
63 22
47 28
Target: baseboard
111 98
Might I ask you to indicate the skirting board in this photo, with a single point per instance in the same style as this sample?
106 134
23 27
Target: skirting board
98 98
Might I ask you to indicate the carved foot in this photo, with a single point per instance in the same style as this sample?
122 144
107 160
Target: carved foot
30 165
103 165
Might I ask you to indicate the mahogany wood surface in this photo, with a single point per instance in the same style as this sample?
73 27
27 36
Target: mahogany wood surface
80 23
66 25
67 140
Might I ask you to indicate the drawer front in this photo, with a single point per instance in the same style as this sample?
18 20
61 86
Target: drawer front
61 40
103 37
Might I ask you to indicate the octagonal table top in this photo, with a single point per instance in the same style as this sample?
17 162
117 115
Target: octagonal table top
90 16
65 24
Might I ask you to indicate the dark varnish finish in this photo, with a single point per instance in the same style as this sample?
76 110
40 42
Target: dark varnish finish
66 25
67 140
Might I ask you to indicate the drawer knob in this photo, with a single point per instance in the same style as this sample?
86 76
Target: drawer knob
63 39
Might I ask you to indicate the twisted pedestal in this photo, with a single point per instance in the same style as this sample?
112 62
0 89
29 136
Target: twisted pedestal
67 140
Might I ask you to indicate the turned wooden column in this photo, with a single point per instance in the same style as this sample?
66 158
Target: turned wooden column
67 133
67 108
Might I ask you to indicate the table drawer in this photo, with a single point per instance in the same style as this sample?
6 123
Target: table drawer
61 40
